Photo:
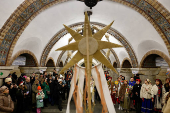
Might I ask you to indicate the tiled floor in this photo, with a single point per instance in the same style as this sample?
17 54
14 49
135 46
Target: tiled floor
97 108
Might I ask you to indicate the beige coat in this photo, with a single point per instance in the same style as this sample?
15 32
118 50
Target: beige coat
145 91
167 108
163 101
6 103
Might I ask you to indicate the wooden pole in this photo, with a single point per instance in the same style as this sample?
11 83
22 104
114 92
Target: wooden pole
88 70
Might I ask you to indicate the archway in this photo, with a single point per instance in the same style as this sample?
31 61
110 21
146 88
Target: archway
114 64
126 63
50 63
15 25
24 58
152 58
111 31
61 64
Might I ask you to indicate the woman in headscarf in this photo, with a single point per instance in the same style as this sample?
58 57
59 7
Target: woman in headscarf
146 96
124 96
158 91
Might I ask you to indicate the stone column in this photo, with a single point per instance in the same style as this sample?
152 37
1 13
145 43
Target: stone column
148 73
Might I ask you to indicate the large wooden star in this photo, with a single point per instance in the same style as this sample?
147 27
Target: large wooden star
95 45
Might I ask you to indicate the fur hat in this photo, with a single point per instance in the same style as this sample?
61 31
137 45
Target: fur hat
2 89
148 80
39 87
8 80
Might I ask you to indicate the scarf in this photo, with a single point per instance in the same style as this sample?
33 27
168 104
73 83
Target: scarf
159 89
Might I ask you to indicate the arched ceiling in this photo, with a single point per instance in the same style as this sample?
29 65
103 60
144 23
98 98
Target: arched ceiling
134 27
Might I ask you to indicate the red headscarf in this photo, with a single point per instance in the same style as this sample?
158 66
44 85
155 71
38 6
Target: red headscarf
159 89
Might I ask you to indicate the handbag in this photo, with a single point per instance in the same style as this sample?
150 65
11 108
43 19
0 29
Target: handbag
41 100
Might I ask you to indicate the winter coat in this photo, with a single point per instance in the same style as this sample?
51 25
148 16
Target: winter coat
21 100
12 92
167 108
45 88
39 99
6 103
34 92
154 93
122 91
117 86
163 101
131 84
146 93
136 88
166 86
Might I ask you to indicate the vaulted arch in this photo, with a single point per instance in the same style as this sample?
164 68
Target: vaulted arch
31 60
126 63
111 31
50 62
156 52
156 14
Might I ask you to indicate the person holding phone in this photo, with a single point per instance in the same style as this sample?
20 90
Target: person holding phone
21 96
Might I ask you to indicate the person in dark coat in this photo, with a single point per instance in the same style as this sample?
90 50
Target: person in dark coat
60 90
166 85
28 99
136 96
21 96
68 83
55 90
32 78
51 85
14 78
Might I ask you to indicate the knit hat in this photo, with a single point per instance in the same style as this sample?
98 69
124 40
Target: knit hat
21 83
2 89
59 80
39 87
138 80
8 80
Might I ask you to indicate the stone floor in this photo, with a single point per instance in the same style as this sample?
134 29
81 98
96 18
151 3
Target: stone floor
97 108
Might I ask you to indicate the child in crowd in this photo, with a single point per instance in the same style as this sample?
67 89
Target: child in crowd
39 97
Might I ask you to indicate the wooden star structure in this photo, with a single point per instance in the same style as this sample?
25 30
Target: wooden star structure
89 41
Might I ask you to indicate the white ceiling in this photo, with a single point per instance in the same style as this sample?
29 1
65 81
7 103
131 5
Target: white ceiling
141 35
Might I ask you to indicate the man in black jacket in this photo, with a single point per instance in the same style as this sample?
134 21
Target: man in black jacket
29 94
136 95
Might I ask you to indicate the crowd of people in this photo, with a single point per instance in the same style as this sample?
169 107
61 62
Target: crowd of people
21 94
142 98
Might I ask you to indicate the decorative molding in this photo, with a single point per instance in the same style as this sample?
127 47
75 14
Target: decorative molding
152 10
164 56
